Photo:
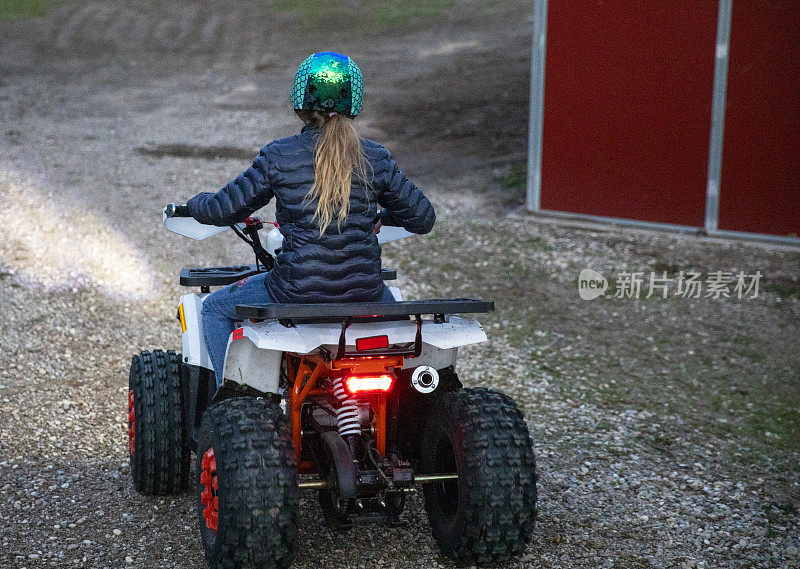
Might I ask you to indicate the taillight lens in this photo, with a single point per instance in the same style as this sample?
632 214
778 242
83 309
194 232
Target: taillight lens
372 343
369 383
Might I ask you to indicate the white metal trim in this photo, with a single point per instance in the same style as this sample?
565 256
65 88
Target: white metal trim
671 228
536 110
718 115
780 239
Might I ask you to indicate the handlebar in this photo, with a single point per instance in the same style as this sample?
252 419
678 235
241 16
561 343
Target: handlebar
173 210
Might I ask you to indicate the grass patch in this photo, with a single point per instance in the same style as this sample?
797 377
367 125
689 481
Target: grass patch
772 418
374 13
537 244
17 9
515 178
783 287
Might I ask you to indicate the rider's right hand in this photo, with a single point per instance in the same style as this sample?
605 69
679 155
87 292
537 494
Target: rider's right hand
173 210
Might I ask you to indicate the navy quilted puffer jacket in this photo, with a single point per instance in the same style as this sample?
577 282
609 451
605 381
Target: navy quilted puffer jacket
336 266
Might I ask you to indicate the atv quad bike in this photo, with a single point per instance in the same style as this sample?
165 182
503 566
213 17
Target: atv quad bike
362 399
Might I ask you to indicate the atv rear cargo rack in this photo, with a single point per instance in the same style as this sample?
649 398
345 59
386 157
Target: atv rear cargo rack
336 311
222 276
347 313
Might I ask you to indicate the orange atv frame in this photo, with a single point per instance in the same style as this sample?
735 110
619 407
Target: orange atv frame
304 380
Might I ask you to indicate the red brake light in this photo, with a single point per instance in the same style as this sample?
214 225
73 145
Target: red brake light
366 383
372 343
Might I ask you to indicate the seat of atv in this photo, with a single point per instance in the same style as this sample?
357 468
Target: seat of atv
221 276
338 311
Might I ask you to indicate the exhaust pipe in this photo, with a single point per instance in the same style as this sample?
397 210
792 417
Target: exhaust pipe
425 379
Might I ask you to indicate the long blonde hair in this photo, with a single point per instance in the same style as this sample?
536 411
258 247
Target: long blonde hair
338 156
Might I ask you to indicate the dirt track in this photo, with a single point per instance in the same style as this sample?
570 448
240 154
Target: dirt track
666 430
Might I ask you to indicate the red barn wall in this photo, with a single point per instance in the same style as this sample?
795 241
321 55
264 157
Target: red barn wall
627 109
760 185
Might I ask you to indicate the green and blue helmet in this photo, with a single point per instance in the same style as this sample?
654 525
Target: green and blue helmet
328 82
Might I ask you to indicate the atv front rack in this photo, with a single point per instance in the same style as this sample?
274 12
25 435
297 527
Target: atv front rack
216 276
222 276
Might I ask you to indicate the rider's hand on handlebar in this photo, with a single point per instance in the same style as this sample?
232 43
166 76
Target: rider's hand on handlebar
173 210
377 228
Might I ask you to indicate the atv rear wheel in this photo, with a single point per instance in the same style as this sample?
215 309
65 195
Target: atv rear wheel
247 493
157 440
487 515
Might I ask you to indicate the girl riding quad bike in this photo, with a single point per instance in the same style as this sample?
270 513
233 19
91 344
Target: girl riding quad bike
321 369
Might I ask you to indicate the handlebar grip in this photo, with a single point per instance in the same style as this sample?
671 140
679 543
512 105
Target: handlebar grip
173 210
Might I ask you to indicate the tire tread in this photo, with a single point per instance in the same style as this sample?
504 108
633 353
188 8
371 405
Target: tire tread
496 517
160 462
257 477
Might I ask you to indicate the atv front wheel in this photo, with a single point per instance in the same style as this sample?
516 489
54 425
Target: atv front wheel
487 515
157 441
247 494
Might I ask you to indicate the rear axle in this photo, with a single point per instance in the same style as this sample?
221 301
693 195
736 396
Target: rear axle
423 479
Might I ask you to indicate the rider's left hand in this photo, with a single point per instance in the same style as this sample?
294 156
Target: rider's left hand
377 228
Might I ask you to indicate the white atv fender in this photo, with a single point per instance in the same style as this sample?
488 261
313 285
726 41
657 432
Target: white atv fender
255 350
192 341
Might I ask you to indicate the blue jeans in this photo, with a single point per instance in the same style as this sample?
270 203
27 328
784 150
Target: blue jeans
219 314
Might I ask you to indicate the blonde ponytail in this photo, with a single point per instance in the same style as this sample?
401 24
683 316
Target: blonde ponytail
338 156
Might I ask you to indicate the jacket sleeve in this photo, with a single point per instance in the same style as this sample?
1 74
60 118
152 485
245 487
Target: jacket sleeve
403 203
241 197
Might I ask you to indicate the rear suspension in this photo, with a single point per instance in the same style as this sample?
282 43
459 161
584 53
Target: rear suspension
348 419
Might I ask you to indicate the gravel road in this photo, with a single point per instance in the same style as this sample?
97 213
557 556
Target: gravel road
666 428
